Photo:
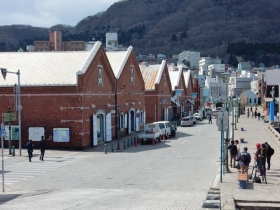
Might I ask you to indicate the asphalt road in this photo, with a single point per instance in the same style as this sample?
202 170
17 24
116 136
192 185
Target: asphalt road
173 174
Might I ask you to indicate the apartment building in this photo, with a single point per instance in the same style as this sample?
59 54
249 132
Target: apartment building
55 43
192 57
204 62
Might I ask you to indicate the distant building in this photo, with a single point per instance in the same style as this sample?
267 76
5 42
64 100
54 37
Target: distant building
192 57
252 98
204 62
244 66
55 43
30 48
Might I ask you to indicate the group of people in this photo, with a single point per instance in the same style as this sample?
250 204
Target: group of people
255 113
261 156
30 146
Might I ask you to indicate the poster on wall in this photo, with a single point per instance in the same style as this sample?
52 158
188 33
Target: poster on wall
35 133
14 132
61 134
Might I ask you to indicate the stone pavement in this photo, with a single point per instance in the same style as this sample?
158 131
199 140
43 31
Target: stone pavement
256 195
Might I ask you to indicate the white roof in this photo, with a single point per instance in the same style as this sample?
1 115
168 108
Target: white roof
46 68
118 60
187 77
174 74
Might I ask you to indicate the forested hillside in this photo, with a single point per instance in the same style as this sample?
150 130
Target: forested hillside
213 27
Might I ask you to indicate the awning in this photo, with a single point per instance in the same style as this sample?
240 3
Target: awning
271 99
175 101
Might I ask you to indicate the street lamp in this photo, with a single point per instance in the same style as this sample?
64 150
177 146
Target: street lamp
18 105
227 137
118 125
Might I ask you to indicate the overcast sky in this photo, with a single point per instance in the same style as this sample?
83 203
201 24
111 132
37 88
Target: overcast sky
46 13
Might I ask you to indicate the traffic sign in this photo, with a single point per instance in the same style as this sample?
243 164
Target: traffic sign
3 131
222 121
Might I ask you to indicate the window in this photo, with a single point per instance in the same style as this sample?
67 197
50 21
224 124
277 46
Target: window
121 121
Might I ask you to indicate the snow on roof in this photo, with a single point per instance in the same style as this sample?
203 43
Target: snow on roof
46 68
175 74
187 75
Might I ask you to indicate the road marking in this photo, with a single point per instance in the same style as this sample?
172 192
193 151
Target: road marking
183 141
201 128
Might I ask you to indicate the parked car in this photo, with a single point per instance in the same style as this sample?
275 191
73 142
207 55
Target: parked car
197 116
151 131
186 121
193 119
200 112
165 127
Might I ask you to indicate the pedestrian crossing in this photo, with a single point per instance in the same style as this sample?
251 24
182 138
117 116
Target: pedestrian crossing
25 170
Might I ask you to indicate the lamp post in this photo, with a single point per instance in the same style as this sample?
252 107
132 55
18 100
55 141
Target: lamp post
18 105
118 126
227 138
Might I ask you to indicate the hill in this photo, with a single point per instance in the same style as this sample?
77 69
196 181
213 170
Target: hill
171 26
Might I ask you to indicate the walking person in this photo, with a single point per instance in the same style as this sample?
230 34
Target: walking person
233 152
29 146
236 142
42 145
210 119
248 114
259 116
270 152
256 114
252 114
244 159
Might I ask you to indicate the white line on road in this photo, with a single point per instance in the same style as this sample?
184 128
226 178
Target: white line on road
201 128
183 141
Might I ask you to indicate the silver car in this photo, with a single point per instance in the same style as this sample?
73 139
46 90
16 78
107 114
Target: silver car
186 121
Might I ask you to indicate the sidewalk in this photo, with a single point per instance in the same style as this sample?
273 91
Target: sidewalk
9 159
256 195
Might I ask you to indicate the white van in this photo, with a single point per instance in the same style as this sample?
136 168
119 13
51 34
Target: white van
165 127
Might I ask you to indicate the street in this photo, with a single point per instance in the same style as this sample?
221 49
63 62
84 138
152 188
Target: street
173 174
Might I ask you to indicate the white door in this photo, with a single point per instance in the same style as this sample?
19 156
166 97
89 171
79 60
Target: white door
125 121
129 123
144 117
108 127
95 139
137 121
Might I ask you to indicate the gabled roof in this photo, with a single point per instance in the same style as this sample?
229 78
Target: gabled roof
46 68
175 73
187 76
152 74
118 59
272 77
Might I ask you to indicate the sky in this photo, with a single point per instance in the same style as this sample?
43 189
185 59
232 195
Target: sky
46 13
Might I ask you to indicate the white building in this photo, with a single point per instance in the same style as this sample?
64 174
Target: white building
254 86
219 68
244 66
112 41
204 62
238 84
217 89
192 57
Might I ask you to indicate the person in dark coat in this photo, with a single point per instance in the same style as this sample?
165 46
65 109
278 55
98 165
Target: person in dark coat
42 145
29 146
210 119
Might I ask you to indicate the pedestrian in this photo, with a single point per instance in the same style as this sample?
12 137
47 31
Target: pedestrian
29 146
42 145
248 109
259 116
270 152
248 114
263 158
256 114
251 108
236 142
252 114
244 159
233 152
257 155
210 119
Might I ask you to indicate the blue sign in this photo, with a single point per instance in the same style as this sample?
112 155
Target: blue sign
3 131
178 92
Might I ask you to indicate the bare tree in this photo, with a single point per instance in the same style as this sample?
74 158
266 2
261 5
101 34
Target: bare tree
243 99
